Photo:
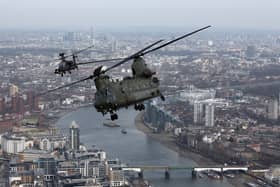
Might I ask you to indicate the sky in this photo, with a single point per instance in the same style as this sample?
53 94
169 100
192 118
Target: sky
122 14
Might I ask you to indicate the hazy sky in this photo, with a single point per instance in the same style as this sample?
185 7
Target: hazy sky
82 14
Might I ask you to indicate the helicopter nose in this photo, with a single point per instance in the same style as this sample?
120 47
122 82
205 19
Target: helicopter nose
60 66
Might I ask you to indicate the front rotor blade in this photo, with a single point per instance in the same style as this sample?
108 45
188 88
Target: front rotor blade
98 61
139 53
175 40
67 85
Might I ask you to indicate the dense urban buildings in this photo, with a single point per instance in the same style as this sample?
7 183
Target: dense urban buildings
222 102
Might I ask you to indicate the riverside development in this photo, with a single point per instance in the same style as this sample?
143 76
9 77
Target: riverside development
221 113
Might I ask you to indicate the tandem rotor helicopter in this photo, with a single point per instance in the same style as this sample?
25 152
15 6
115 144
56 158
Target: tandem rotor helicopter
112 95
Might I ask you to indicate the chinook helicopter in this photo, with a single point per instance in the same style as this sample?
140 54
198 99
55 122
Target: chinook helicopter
66 66
142 85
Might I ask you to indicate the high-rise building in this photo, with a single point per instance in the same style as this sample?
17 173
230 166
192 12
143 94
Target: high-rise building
15 100
30 98
48 167
18 104
13 90
12 144
272 112
91 33
116 176
209 115
93 167
69 36
21 105
198 112
114 46
279 105
32 101
36 103
194 94
74 136
5 172
2 105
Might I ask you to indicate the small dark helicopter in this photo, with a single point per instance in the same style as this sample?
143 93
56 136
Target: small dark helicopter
112 95
66 66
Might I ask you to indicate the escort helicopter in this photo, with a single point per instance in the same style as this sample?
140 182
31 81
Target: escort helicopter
66 66
111 95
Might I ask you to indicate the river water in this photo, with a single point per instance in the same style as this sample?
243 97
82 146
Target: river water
134 148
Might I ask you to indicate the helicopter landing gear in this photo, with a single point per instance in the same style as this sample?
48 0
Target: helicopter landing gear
114 117
139 107
162 97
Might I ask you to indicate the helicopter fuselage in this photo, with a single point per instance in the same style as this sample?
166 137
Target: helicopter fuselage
112 95
65 66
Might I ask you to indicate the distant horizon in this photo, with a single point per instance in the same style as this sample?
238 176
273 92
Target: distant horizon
141 29
123 15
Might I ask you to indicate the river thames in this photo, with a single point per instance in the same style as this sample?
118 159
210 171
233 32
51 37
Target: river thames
134 148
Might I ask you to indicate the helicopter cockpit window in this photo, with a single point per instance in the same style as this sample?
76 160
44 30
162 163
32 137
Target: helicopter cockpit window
106 77
127 78
155 80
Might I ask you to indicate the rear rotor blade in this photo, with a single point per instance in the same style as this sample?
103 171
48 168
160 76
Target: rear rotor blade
98 61
139 53
144 51
175 40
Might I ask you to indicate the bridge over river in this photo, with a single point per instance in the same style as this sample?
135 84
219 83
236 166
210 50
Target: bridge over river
195 169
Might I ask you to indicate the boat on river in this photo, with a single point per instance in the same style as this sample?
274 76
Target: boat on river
110 124
124 131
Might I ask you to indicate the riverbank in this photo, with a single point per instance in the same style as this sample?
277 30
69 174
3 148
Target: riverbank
61 112
168 141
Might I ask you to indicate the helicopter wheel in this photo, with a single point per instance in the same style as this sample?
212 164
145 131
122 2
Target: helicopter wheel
142 107
139 107
114 117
